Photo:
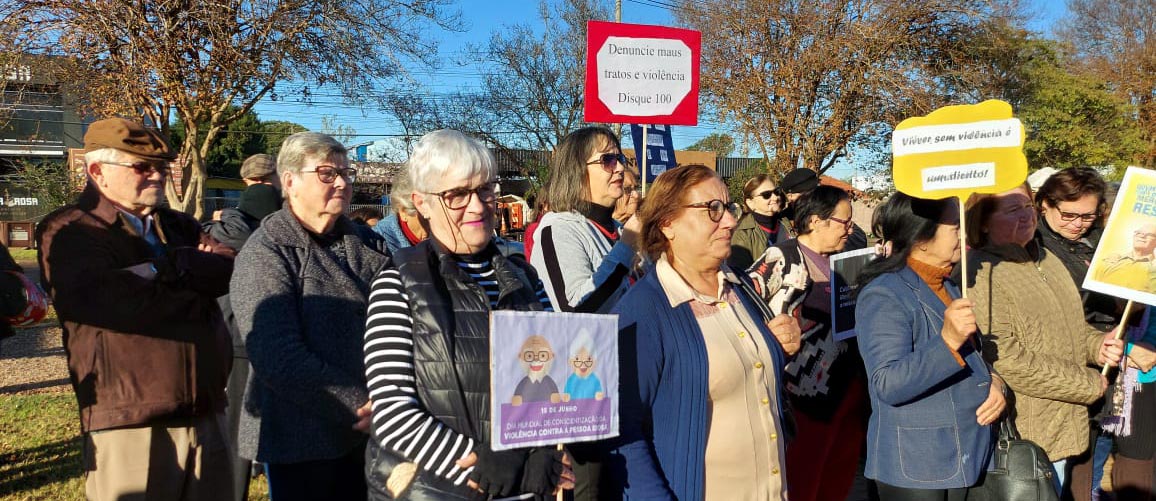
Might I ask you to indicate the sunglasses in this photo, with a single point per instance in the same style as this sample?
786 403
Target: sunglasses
766 195
459 198
716 208
328 174
144 168
609 161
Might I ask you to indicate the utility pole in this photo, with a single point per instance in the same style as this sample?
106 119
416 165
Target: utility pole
618 19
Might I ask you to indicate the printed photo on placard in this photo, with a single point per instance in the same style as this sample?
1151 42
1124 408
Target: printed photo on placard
1124 264
554 378
846 268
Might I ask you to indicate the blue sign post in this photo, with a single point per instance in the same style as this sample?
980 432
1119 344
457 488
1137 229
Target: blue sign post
654 148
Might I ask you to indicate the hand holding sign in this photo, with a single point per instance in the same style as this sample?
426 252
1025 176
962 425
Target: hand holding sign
959 150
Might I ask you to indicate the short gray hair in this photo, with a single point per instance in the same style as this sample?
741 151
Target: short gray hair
436 153
297 147
583 341
400 194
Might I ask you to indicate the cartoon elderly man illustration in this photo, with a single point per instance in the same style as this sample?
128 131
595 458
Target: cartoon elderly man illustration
536 357
583 383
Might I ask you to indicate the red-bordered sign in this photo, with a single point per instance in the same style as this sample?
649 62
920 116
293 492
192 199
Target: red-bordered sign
641 74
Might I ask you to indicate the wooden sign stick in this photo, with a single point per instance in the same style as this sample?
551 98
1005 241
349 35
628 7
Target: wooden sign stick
1120 331
962 250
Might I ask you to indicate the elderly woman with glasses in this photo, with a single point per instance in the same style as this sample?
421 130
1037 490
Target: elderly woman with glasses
702 413
1036 338
825 381
584 256
760 227
299 292
427 341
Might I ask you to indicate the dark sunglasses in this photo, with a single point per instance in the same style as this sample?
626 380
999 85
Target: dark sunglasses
144 168
716 208
766 195
328 174
609 160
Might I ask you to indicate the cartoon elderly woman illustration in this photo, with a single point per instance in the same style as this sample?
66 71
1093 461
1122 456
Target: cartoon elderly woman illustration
583 383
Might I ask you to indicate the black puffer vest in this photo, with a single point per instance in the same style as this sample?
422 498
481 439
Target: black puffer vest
451 331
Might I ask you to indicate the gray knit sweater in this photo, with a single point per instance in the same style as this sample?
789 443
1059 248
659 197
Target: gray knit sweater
300 302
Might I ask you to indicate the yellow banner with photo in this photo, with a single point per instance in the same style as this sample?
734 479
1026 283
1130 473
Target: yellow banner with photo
1124 264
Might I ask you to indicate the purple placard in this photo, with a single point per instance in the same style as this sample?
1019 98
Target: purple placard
554 378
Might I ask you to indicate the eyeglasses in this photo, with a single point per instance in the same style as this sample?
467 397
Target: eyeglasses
328 173
459 198
583 364
766 195
845 222
1144 234
1068 217
609 161
144 168
541 356
630 190
716 208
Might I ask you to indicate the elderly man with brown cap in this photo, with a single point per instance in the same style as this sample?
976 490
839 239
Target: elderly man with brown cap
135 287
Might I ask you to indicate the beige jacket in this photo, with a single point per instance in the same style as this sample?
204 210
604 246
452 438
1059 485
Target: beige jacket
1035 336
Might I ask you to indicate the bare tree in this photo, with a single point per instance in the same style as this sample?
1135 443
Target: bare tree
210 62
806 81
1116 40
532 86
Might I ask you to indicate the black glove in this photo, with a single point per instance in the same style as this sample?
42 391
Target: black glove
498 474
543 472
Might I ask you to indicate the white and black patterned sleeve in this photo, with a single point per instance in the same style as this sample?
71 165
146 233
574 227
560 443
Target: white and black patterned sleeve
400 423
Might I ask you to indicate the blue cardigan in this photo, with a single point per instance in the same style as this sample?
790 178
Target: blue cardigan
664 387
923 432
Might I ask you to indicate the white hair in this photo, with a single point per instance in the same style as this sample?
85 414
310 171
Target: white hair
297 147
436 153
101 155
400 194
583 341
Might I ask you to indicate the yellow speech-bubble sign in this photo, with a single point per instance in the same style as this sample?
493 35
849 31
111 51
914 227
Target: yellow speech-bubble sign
959 150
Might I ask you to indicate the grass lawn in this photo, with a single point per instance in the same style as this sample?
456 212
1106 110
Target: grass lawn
40 449
23 255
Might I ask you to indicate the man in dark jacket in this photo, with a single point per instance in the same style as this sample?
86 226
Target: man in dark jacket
135 287
233 228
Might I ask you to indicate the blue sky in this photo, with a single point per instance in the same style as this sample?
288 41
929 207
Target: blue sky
481 18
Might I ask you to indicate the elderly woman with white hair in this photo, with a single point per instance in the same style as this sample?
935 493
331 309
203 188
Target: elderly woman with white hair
402 227
299 291
427 341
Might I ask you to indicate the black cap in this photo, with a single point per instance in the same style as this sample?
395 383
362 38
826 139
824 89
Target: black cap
799 181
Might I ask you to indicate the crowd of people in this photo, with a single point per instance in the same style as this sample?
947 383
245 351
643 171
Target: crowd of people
348 354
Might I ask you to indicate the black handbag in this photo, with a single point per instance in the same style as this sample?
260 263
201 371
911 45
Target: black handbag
1020 471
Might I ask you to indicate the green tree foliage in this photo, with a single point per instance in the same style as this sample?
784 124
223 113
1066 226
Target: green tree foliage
735 182
50 181
236 142
721 144
275 133
1072 118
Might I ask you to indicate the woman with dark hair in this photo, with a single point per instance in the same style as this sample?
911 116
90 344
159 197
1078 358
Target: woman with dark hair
701 368
760 227
1071 203
582 255
933 398
1029 311
825 381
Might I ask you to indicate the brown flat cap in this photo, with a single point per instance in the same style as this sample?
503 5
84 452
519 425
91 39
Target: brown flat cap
258 166
129 137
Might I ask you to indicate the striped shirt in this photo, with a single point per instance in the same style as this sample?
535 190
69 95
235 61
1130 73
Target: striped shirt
400 422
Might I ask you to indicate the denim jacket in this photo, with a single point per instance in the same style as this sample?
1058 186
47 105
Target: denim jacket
923 431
